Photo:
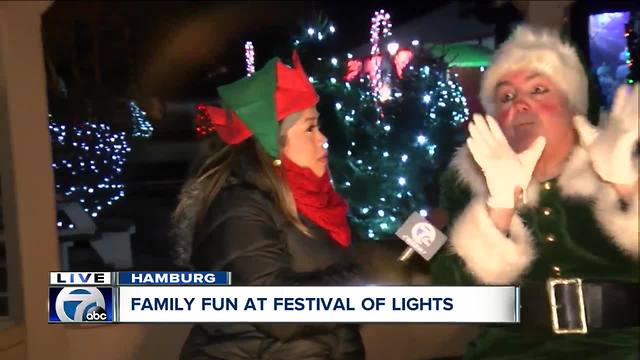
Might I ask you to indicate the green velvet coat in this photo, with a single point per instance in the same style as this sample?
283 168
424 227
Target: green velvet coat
573 228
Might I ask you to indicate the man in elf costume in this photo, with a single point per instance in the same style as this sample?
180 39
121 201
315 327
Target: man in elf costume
541 198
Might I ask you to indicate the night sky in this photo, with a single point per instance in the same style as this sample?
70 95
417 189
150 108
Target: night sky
352 20
184 50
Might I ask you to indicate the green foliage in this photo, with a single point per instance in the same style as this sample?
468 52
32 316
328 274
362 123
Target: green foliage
386 157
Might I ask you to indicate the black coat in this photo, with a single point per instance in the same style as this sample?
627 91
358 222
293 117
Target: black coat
247 235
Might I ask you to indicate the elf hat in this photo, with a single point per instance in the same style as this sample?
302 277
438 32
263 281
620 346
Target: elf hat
256 105
540 50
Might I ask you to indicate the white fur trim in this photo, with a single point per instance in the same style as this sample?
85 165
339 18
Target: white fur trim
469 172
490 256
576 180
621 226
541 50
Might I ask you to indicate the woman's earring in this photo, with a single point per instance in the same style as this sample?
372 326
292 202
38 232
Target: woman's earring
277 162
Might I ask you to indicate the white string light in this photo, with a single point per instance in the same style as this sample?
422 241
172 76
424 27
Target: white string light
141 125
93 157
249 55
380 29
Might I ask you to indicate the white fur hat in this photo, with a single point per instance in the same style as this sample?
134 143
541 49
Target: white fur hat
541 50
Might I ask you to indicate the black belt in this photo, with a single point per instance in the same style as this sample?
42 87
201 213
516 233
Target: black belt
573 306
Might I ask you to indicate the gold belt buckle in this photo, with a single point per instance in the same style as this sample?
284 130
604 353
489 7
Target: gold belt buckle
577 282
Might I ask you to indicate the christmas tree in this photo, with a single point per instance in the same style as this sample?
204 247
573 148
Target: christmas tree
392 120
142 128
88 161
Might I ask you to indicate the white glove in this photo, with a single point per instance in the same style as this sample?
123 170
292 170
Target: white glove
611 148
503 169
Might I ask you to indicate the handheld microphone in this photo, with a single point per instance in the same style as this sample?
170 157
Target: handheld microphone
422 235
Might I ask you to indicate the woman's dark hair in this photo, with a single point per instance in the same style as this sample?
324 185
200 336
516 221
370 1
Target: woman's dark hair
214 171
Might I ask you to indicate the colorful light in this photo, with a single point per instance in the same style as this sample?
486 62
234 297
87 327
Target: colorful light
401 60
203 125
632 49
392 48
378 112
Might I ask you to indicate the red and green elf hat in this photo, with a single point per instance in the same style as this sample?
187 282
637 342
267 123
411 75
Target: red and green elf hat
255 106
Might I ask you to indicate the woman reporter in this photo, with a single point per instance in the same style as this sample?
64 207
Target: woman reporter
263 207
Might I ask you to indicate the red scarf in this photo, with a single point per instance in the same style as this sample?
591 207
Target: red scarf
317 200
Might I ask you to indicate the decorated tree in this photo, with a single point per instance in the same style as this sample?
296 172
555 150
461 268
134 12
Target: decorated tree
88 162
392 120
142 128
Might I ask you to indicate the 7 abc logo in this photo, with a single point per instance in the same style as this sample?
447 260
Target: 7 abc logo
81 304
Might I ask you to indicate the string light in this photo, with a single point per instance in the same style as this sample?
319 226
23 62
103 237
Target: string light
88 162
446 92
380 29
203 125
433 98
632 49
249 56
392 48
141 125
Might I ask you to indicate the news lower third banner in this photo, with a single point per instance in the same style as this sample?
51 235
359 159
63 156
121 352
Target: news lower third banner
191 297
